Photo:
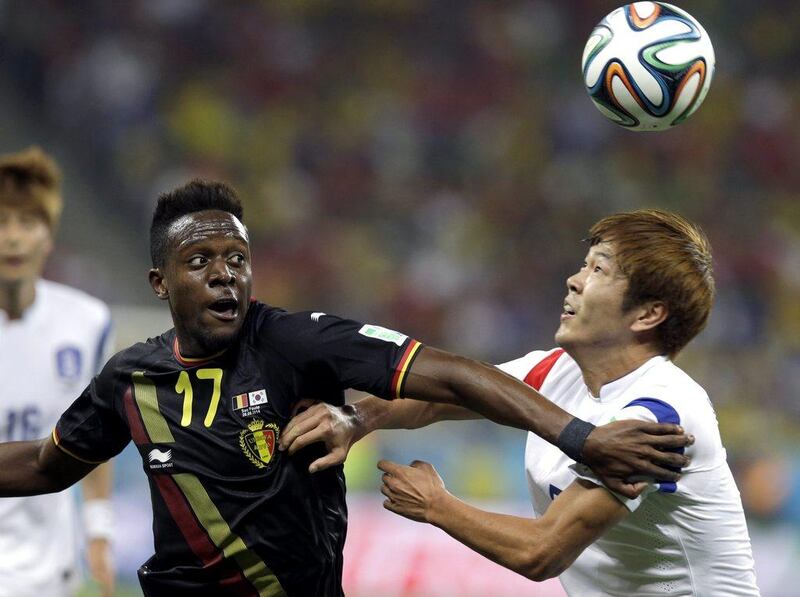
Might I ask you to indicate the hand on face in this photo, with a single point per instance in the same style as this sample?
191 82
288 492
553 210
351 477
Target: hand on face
414 491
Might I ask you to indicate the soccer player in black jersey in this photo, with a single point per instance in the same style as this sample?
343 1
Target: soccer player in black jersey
206 401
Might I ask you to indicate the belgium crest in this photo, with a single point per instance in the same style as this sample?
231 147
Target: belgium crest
258 441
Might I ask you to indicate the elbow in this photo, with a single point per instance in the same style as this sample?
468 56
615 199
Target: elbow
541 564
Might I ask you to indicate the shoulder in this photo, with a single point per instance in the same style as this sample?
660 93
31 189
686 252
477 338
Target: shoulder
76 303
537 362
667 394
154 354
667 384
262 316
274 324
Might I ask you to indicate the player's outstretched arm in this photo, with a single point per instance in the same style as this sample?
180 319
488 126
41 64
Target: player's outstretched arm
36 467
539 548
340 427
615 452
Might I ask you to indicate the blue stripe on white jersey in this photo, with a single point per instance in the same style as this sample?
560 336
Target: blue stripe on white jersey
664 413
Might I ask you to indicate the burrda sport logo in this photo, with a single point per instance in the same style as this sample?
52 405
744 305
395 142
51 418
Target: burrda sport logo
159 459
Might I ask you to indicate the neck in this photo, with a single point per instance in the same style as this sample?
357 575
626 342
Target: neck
194 353
17 296
602 365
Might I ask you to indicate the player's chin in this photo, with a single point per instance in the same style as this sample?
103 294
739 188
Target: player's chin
564 337
220 333
215 341
13 275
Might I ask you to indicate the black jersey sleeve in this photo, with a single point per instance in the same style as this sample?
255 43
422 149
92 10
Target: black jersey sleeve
92 429
342 352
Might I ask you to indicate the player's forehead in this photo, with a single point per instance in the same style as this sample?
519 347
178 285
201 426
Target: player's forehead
204 227
603 249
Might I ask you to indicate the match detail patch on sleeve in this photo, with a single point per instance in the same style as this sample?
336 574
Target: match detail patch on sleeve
380 333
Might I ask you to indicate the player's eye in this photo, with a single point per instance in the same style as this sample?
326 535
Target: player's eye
198 261
28 220
237 259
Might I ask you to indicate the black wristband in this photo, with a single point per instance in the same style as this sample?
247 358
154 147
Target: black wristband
572 437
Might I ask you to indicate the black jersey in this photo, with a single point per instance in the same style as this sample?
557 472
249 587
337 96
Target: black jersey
232 514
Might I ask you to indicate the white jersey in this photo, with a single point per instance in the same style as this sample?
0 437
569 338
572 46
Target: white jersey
46 359
684 538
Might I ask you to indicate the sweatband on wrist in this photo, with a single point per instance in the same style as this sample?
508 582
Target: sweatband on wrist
98 519
572 437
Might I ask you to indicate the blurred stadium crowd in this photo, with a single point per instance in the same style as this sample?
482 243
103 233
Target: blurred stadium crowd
433 166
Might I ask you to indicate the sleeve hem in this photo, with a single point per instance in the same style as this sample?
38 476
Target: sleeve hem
57 442
403 367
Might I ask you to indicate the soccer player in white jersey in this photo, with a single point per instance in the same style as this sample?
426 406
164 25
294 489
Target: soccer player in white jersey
644 291
53 339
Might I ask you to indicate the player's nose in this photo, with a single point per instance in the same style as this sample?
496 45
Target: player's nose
220 273
575 283
10 233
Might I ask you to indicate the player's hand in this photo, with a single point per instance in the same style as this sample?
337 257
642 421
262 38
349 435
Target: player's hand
629 449
412 491
337 427
101 565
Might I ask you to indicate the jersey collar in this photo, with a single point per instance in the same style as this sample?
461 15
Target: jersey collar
188 361
616 388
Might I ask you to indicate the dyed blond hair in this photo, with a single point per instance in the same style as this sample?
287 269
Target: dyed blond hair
665 258
31 179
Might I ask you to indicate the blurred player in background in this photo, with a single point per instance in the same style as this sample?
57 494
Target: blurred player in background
206 402
53 339
644 291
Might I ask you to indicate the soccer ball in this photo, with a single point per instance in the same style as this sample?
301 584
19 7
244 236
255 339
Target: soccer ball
648 65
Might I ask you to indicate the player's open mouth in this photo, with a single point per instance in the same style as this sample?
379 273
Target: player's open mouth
13 261
567 312
225 309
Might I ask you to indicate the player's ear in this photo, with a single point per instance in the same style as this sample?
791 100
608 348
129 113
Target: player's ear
649 315
158 283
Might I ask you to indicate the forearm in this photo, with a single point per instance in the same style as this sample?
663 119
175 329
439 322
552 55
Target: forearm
97 484
519 544
538 548
438 376
98 515
404 413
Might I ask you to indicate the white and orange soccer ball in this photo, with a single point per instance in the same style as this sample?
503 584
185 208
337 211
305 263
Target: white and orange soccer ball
648 65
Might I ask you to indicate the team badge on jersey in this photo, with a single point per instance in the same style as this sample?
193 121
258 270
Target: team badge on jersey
258 442
68 363
249 403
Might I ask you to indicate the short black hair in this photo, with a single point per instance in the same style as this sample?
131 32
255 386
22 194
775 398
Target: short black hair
197 195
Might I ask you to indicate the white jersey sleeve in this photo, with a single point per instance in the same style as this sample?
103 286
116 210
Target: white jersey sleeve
641 409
